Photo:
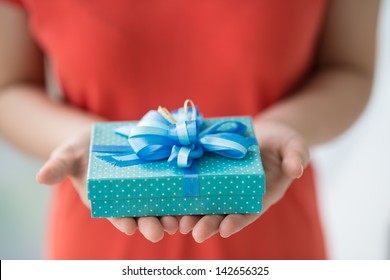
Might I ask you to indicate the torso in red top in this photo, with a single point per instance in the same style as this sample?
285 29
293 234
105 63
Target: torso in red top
122 58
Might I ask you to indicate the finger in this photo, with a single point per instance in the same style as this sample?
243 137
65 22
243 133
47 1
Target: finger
151 228
295 156
54 171
187 223
234 223
126 225
170 224
292 165
206 227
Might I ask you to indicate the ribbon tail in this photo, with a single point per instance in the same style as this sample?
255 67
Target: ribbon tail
191 181
122 160
252 141
124 131
112 149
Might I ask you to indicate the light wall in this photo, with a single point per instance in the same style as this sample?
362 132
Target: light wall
354 172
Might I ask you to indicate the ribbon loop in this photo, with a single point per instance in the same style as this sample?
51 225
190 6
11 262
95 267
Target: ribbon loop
178 137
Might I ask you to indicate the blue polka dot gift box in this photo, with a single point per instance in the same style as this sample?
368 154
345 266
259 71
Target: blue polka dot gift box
175 163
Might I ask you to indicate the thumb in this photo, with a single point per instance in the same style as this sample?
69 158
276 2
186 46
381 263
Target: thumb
55 170
295 157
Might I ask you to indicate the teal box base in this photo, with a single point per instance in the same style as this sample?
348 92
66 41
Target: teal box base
176 206
226 186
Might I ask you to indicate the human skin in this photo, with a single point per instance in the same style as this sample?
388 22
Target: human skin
334 95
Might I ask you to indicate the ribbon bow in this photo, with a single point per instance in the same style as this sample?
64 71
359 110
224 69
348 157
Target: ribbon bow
177 137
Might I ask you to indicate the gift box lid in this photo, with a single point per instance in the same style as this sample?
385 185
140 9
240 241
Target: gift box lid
217 175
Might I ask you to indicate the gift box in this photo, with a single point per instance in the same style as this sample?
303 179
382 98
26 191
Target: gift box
211 184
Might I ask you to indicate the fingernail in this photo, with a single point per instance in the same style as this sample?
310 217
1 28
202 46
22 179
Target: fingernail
171 232
127 232
201 240
230 234
300 175
198 240
227 235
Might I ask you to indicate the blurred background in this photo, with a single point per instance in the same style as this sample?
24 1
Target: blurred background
352 173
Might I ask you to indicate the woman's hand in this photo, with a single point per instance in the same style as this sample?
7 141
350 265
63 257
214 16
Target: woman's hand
71 159
284 154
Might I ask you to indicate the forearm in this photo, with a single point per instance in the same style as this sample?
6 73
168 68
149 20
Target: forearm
325 106
36 124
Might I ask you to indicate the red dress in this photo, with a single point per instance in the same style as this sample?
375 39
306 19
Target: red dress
121 58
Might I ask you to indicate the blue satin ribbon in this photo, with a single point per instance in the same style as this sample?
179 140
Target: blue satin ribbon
155 138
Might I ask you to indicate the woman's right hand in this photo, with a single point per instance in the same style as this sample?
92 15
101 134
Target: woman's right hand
71 159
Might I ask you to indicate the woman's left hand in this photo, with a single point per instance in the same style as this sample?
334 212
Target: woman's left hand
284 155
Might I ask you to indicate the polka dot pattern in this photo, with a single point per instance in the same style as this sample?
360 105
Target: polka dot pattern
201 205
155 189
